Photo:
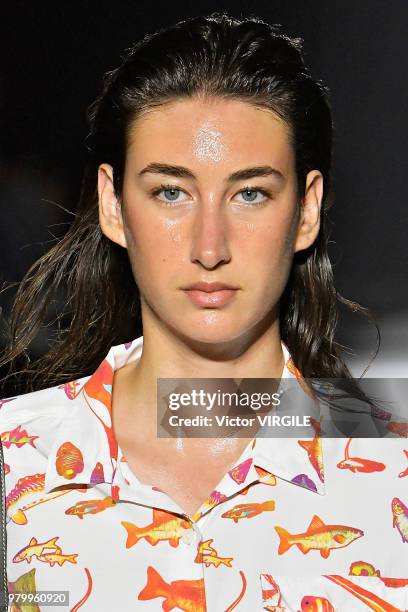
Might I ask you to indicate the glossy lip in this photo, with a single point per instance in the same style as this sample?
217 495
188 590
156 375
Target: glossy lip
209 287
211 299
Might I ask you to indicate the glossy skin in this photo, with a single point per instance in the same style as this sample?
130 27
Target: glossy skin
209 229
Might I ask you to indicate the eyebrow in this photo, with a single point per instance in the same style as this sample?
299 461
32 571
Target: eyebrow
238 175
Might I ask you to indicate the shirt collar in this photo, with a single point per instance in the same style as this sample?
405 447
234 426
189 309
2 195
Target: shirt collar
85 451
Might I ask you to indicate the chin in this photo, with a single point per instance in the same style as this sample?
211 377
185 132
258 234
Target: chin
211 329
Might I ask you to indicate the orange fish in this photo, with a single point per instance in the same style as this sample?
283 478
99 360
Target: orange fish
271 595
318 536
310 603
208 555
69 461
404 472
399 428
301 380
95 386
241 511
164 527
371 600
314 449
265 477
187 595
356 464
91 506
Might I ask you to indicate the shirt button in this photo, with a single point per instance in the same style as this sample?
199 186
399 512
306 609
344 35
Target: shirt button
188 536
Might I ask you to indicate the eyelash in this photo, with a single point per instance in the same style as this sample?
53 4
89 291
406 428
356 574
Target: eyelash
166 187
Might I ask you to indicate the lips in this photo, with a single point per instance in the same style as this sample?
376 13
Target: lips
209 287
211 299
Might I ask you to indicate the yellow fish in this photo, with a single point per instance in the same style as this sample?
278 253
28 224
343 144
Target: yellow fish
36 549
56 557
208 555
318 536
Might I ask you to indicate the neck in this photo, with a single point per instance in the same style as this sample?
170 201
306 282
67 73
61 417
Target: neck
166 355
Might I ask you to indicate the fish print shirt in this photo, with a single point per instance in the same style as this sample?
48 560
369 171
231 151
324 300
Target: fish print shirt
295 525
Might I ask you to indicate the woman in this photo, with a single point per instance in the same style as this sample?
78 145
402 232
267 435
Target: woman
205 199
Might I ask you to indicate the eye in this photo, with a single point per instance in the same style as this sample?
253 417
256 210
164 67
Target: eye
251 195
171 194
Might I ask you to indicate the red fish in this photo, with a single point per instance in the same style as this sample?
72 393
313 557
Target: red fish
356 464
404 472
310 603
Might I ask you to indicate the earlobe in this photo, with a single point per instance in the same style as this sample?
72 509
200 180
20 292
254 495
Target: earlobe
110 214
309 218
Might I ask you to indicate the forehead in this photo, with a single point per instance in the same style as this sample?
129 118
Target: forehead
211 130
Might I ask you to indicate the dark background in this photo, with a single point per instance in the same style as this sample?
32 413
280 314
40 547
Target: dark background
53 58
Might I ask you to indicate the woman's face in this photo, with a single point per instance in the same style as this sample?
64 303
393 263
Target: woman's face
209 195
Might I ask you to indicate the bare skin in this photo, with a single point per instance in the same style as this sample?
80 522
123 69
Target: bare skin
208 229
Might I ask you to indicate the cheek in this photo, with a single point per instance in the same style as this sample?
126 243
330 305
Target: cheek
152 243
269 245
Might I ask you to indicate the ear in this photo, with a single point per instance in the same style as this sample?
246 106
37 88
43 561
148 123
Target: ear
110 213
309 221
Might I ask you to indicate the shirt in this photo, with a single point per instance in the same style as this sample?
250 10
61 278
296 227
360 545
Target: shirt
312 524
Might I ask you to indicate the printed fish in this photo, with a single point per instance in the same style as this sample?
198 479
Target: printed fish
362 568
371 600
404 472
36 549
400 517
314 449
187 595
69 460
271 595
399 428
70 389
164 527
301 380
91 506
17 436
208 555
215 498
264 478
99 387
241 511
310 603
318 536
33 483
57 557
240 472
356 464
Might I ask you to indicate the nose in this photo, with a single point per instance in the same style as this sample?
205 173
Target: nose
210 235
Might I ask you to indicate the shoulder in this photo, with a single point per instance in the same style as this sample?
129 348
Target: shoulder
30 422
45 404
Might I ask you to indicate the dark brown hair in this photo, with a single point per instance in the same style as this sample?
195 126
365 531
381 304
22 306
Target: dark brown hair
216 55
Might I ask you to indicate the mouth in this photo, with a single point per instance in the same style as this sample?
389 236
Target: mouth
211 299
